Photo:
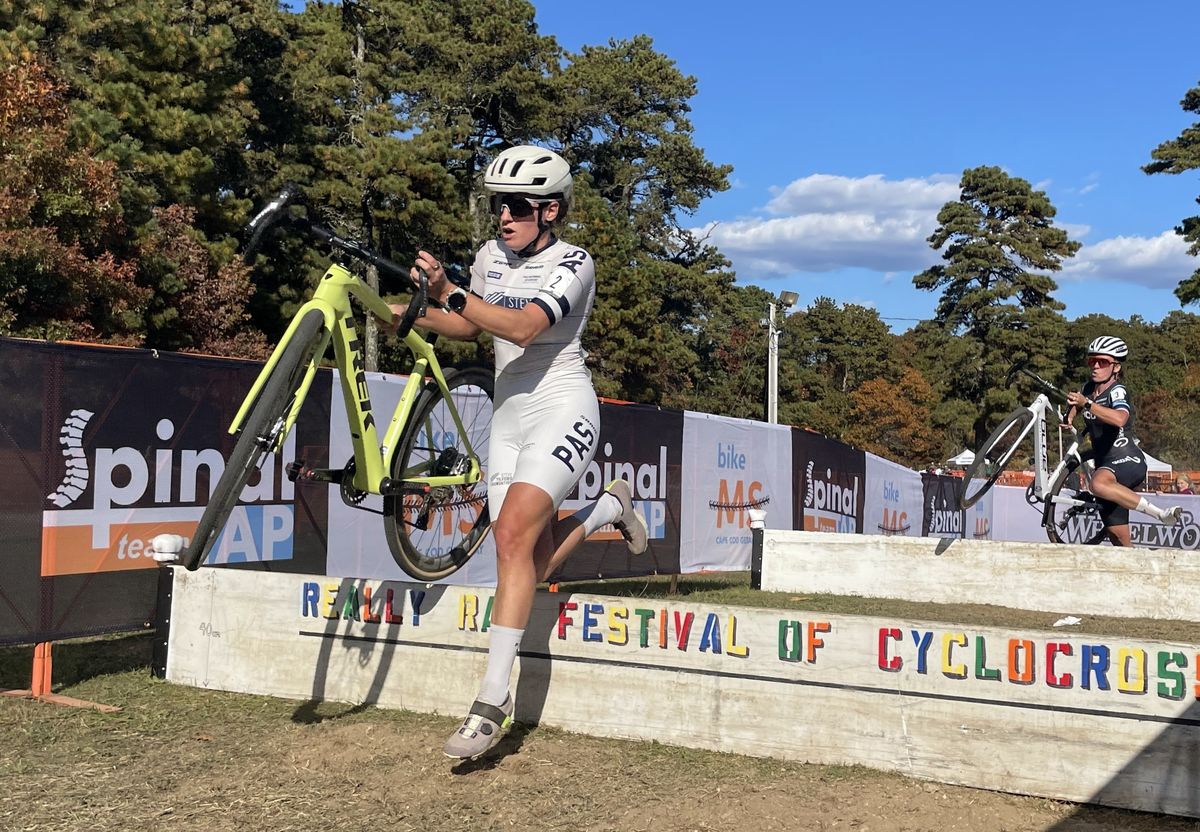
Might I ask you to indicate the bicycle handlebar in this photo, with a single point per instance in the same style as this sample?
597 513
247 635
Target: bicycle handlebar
1049 389
276 213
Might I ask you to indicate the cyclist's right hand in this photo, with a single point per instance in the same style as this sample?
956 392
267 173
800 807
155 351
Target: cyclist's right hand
438 283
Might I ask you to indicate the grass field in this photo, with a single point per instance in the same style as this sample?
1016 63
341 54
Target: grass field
179 758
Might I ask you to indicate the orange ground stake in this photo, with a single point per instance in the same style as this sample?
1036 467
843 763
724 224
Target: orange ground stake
43 670
40 684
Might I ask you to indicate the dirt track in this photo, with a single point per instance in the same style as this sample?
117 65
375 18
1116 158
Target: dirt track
178 758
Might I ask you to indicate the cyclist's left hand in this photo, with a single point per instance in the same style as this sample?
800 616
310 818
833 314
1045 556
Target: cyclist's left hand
1076 399
435 272
398 310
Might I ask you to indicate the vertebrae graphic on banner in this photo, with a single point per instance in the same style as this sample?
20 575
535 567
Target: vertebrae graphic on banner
144 485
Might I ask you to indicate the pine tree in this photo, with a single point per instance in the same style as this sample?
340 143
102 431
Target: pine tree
1177 156
999 241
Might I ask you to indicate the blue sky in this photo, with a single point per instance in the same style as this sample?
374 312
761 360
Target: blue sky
849 125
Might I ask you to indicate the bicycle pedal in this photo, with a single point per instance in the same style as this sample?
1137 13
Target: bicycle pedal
295 470
299 472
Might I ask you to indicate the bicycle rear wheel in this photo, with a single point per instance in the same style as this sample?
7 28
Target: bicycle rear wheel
433 533
991 458
1077 521
260 432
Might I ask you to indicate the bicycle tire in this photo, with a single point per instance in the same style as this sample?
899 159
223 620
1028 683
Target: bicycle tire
259 432
1054 518
429 554
1010 431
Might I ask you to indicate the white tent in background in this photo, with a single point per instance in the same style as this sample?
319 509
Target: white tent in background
1156 466
964 458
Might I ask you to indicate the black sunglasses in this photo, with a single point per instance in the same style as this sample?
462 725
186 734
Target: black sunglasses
519 207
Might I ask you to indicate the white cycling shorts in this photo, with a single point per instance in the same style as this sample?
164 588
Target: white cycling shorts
543 433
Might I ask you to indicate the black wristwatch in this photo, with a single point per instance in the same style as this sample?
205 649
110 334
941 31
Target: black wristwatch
456 301
1087 405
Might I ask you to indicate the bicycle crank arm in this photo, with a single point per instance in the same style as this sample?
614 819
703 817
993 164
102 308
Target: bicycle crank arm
299 472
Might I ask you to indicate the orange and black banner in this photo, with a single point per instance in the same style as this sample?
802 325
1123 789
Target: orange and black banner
644 445
829 482
108 448
941 516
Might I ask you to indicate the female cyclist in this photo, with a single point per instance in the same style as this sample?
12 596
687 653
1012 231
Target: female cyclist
533 292
1108 418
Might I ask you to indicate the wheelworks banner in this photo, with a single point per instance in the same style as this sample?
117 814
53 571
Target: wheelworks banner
1016 519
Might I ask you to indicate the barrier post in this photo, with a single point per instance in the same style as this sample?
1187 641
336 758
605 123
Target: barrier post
758 522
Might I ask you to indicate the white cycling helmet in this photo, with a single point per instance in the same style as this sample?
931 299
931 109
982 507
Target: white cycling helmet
1110 346
526 169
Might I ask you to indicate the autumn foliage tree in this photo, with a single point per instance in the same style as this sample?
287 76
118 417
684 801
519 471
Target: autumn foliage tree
210 314
64 268
892 419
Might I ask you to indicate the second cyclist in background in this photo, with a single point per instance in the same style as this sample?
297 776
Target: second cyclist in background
533 292
1108 419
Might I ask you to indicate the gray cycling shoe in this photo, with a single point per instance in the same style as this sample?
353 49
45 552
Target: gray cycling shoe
482 729
1171 516
630 524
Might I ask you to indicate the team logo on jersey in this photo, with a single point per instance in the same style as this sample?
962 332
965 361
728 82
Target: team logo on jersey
506 301
495 275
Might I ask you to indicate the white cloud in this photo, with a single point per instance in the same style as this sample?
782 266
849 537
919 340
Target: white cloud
1075 231
826 194
823 223
1155 262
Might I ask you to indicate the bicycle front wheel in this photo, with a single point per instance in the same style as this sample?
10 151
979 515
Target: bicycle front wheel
991 458
259 434
433 532
1071 514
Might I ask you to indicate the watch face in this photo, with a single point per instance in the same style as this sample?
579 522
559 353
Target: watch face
457 300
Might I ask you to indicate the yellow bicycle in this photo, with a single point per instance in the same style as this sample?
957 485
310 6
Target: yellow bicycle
431 465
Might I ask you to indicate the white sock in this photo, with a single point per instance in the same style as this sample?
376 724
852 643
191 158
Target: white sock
600 513
1146 507
502 653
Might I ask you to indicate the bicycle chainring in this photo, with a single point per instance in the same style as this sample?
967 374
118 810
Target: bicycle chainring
351 496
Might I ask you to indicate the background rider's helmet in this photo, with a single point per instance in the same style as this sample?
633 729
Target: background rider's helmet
1110 346
526 169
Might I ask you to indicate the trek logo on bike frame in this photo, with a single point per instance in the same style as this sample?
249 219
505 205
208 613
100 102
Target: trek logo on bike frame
115 497
359 364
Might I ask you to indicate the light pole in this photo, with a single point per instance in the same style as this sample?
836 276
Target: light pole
786 299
